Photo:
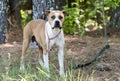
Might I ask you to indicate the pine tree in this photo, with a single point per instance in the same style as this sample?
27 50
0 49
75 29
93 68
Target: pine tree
2 20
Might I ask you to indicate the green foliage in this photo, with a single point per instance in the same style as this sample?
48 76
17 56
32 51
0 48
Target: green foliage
72 23
112 3
25 17
80 14
84 10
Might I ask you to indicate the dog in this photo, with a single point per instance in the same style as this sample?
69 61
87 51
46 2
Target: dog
47 34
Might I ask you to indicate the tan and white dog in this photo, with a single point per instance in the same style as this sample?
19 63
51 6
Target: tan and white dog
46 33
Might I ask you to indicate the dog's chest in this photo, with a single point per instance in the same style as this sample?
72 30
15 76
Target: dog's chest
53 42
52 38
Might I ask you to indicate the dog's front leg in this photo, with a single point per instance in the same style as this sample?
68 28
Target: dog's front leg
46 60
61 60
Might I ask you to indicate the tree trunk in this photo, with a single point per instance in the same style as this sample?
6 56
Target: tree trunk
14 31
2 20
40 6
115 18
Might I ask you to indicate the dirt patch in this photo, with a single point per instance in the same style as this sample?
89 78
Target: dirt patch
82 49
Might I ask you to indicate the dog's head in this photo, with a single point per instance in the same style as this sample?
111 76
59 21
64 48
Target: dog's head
56 18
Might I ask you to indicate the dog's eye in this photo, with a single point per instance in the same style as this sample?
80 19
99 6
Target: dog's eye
53 17
60 17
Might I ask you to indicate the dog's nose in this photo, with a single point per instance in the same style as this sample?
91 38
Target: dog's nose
57 24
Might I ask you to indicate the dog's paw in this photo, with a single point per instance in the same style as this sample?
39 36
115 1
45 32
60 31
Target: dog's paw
22 68
63 77
62 74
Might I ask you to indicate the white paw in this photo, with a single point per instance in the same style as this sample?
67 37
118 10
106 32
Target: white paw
22 68
62 74
41 63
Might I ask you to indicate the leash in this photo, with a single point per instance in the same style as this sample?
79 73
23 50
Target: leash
107 46
93 59
51 39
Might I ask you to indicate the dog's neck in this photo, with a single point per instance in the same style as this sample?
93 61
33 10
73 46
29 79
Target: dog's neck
50 31
56 30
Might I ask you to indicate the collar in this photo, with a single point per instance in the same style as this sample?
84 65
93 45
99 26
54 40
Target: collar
54 36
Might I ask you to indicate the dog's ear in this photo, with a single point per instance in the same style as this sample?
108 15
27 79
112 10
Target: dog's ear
65 13
47 12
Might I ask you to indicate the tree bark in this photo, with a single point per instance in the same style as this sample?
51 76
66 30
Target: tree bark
115 18
2 21
40 6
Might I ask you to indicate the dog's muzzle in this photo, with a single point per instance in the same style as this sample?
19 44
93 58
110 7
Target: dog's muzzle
57 25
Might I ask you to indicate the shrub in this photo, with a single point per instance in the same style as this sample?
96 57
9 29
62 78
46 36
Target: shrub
82 11
26 17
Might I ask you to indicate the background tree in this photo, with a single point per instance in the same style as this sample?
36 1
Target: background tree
40 6
3 6
14 29
115 18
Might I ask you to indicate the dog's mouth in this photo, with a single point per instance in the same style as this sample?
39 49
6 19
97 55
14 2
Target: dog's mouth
56 27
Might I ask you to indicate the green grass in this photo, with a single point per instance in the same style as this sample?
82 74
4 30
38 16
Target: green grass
9 71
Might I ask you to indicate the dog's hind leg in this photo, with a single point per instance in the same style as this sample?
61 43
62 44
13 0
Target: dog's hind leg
40 56
25 45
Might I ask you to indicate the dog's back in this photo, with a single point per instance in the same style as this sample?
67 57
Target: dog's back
34 27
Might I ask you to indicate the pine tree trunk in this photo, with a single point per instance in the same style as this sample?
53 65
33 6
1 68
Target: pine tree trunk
2 20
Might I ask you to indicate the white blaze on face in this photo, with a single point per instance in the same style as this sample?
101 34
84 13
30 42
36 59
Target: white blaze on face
54 16
56 19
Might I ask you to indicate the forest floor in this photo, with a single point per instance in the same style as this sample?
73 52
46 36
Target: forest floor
77 50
